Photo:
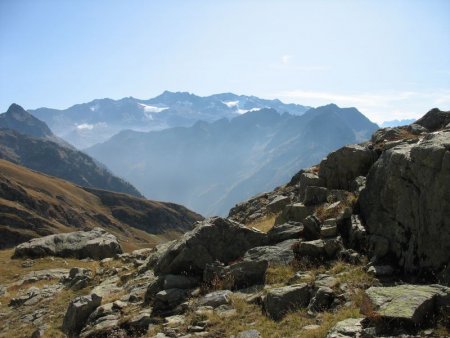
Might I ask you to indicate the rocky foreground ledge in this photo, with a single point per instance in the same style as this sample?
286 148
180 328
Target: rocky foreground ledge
356 246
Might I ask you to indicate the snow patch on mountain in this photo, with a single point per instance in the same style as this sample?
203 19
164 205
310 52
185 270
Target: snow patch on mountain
152 109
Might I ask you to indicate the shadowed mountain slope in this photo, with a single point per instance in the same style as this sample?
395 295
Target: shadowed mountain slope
34 205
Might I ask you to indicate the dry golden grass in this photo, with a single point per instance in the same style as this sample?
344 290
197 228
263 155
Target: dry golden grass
263 224
60 198
323 212
249 316
279 274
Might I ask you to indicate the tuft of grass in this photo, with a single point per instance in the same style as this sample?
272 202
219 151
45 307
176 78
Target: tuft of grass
323 213
250 316
264 224
279 274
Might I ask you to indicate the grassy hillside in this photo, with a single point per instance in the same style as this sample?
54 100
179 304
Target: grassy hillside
33 204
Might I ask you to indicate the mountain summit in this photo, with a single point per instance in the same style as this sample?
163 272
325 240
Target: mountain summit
27 141
18 119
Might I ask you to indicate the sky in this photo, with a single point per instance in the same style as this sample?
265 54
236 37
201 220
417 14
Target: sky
388 58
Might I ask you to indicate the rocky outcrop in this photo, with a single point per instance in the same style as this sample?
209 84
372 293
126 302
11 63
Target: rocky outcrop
78 312
405 204
341 167
96 244
434 120
404 304
214 239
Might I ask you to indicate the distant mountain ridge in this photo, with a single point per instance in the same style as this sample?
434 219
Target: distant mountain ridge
396 123
211 166
27 141
86 124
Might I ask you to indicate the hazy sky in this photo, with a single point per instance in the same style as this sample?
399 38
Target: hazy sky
390 59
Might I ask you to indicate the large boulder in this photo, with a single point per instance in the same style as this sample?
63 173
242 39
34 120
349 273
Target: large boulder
405 304
96 244
406 204
279 301
340 168
214 239
78 312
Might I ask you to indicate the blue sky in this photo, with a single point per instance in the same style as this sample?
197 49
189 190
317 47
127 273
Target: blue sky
388 58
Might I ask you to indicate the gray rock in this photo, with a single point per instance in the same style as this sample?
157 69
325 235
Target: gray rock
387 134
315 195
216 298
103 320
406 201
140 322
318 249
152 259
167 300
358 184
247 273
214 239
339 169
49 274
308 179
296 212
78 312
108 287
326 281
278 204
405 303
34 295
381 270
314 249
434 120
416 129
78 278
282 232
96 244
322 300
239 275
358 238
347 328
279 301
327 231
38 333
179 282
311 226
274 255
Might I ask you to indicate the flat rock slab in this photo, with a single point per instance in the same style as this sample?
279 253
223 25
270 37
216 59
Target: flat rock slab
410 303
351 327
96 244
216 298
274 255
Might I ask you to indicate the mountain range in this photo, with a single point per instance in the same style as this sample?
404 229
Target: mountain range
211 166
29 142
86 124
